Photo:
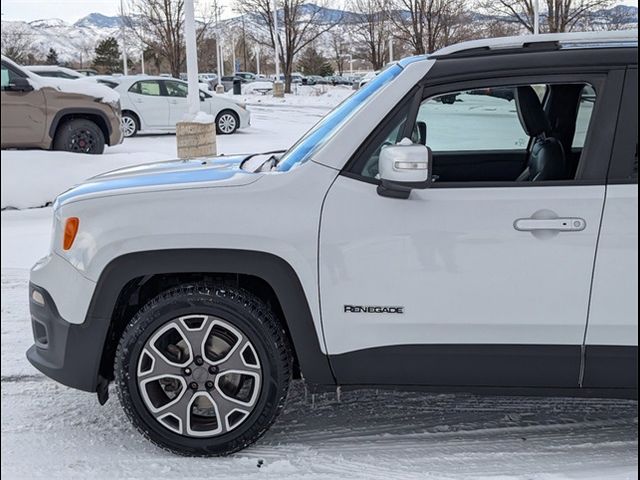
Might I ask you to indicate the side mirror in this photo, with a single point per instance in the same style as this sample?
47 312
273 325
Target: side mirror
403 167
19 84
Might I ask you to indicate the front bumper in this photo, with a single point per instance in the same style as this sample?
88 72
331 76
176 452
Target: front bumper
67 353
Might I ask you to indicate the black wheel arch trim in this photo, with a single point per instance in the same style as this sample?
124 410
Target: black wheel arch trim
59 117
282 278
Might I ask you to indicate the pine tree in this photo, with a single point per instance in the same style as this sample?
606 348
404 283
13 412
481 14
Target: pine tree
107 58
313 62
52 57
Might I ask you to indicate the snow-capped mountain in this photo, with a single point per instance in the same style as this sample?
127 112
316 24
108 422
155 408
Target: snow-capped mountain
71 40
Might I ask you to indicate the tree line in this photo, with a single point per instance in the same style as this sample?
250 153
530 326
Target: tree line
317 37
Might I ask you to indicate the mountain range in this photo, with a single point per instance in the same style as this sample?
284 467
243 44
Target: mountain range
70 39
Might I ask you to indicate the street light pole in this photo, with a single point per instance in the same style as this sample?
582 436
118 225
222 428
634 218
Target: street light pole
142 59
125 70
193 93
278 90
536 17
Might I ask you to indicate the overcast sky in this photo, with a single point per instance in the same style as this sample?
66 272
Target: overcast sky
72 10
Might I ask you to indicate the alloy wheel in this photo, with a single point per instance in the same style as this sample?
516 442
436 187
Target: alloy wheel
227 123
129 126
199 376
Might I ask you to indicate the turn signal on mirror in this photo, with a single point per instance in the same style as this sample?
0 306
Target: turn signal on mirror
70 230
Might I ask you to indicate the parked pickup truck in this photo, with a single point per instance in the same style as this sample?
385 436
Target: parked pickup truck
479 245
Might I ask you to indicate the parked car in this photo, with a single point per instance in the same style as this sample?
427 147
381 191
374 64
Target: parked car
296 78
246 76
87 72
54 71
157 103
208 79
57 113
481 250
314 80
507 94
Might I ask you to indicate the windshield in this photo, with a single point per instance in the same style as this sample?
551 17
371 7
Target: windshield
329 125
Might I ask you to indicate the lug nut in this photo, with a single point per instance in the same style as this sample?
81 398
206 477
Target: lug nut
199 361
187 371
193 386
209 385
213 369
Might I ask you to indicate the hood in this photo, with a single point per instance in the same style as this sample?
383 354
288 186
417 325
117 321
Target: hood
80 87
174 174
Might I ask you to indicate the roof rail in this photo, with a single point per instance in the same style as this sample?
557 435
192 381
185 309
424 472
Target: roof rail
541 42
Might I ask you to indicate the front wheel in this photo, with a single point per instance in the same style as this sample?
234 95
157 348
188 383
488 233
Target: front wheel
80 136
203 369
227 122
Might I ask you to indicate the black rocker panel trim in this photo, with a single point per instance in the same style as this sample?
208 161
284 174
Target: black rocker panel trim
463 366
275 271
611 367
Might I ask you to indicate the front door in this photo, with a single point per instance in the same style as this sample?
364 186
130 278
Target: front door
23 113
150 103
177 97
475 281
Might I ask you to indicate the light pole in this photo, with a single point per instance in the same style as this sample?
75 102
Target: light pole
219 66
193 93
142 59
536 17
257 61
278 88
125 70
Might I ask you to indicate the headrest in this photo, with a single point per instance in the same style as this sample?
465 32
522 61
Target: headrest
530 112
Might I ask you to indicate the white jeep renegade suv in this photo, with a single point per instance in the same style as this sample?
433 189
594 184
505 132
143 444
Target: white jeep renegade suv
466 220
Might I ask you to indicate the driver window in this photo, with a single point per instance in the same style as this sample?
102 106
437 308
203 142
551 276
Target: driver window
176 89
491 134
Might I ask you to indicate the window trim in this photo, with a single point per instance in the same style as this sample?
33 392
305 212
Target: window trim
625 132
606 84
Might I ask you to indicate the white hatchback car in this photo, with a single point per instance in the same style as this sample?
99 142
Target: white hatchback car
152 103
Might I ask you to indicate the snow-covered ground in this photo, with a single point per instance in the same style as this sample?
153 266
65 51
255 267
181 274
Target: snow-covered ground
52 431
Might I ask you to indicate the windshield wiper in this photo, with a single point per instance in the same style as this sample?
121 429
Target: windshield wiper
272 158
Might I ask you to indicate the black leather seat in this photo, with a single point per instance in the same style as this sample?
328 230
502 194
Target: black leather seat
546 160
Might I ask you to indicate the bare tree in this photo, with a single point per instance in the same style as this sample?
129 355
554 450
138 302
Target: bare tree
339 49
427 25
159 24
372 33
299 24
16 42
559 16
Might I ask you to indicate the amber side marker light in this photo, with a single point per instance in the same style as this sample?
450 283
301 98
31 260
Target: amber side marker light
70 230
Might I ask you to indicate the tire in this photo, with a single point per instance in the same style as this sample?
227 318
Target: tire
227 122
130 124
80 136
151 348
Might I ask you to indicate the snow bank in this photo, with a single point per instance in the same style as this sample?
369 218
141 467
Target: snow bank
199 117
326 96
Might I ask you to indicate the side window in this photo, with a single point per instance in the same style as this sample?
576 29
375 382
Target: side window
487 116
493 134
7 76
146 87
176 89
585 109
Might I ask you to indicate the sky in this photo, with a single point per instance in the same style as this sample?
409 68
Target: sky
72 10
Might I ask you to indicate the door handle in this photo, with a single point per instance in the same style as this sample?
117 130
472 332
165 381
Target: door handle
567 224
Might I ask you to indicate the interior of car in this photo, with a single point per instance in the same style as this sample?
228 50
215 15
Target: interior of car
519 133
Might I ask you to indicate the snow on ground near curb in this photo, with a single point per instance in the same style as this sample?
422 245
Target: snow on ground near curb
33 178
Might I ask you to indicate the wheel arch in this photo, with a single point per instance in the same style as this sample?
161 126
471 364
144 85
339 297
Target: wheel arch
118 292
97 116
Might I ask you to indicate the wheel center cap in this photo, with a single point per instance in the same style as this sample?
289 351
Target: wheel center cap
200 374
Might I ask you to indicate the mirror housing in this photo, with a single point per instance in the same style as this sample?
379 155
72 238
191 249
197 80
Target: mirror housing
403 167
19 84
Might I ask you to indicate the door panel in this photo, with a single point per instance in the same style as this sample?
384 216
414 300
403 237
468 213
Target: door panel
152 107
23 118
463 275
177 97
